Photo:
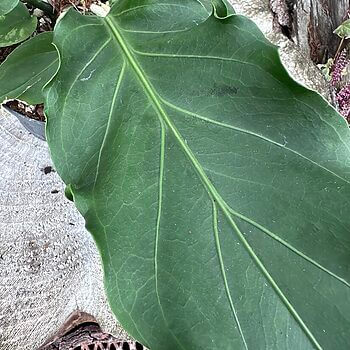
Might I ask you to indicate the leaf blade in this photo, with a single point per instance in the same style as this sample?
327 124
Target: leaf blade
35 62
153 153
16 26
7 6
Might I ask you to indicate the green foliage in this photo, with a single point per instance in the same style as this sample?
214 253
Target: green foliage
213 184
7 6
16 25
28 68
344 30
326 69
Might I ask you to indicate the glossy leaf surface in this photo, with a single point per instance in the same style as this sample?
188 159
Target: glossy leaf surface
7 6
16 26
215 187
28 68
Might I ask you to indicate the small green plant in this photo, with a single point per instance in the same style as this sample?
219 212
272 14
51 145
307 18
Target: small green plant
33 63
214 185
335 72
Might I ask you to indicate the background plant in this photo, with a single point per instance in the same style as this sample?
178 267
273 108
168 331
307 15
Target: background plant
336 70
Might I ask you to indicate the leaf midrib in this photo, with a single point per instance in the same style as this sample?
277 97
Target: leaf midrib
150 92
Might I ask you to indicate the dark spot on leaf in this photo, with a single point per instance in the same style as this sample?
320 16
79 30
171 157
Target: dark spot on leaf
54 191
71 224
223 90
47 170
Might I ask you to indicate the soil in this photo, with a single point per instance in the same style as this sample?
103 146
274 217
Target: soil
33 112
5 51
80 5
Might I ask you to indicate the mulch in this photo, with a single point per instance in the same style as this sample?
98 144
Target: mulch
31 111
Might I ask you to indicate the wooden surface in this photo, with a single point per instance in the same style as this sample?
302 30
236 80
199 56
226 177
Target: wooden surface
296 60
310 24
49 264
81 331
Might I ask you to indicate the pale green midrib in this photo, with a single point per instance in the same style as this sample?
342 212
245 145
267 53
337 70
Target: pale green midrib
210 188
223 272
262 228
272 281
251 133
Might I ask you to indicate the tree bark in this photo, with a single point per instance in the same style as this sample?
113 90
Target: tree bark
310 24
82 332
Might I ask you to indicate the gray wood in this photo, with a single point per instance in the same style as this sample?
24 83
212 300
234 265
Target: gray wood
295 59
311 23
49 264
82 331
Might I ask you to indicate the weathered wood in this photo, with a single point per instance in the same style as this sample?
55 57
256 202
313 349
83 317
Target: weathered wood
310 23
49 264
82 332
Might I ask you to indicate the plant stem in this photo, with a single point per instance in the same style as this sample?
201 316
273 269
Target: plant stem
44 6
339 47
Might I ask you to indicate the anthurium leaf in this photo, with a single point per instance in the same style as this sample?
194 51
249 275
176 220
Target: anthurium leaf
16 26
28 68
7 6
215 187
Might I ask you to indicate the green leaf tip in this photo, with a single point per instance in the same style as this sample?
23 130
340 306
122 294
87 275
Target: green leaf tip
222 9
68 192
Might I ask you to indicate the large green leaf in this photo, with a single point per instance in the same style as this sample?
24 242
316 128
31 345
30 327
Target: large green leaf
7 6
217 188
16 26
28 68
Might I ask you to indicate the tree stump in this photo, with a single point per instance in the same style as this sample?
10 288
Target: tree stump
311 23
